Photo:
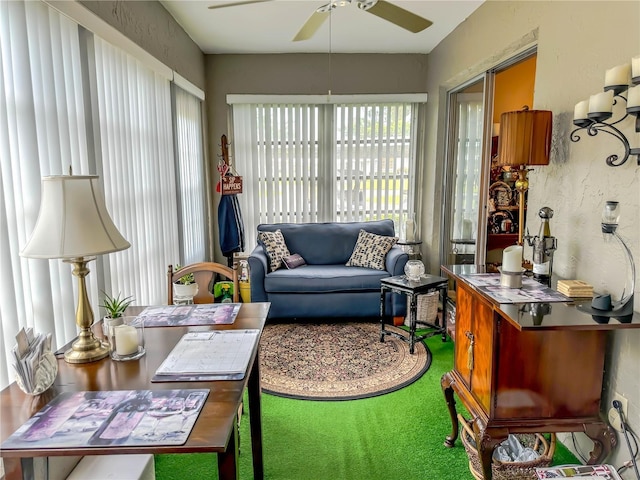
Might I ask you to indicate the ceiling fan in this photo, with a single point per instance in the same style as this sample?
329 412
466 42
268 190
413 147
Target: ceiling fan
380 8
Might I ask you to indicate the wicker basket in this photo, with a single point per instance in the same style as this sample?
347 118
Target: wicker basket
509 470
427 310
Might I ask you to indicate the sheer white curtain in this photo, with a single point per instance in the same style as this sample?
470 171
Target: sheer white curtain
469 157
42 132
191 176
325 162
136 135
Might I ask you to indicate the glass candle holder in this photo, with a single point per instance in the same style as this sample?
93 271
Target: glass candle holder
126 338
414 269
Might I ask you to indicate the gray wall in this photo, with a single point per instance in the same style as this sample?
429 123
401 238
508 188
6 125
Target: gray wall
150 25
570 67
302 74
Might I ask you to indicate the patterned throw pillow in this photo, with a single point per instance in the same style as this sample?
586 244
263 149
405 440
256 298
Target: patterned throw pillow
371 250
275 248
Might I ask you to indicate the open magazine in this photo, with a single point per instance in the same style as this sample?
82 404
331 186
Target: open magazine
583 472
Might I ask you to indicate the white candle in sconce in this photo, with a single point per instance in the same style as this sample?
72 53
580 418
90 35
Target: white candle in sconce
635 67
581 110
617 75
126 339
601 102
512 259
634 97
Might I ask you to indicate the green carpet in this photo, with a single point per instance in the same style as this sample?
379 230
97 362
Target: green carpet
397 436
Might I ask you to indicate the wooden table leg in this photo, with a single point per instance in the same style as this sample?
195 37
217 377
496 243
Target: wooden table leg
487 440
604 440
228 460
255 419
446 383
12 468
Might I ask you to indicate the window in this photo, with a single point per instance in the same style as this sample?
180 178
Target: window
104 113
308 162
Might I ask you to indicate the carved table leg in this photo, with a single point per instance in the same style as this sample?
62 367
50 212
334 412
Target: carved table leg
488 440
604 440
446 382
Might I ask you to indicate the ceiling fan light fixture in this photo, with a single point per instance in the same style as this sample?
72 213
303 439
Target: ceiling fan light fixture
331 5
367 4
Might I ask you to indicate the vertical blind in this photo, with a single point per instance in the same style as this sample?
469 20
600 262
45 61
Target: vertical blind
325 162
124 133
468 160
136 135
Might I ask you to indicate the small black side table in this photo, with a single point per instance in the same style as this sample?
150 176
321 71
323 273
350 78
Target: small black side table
427 284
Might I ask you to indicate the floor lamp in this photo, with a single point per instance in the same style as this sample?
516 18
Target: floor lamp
74 225
525 140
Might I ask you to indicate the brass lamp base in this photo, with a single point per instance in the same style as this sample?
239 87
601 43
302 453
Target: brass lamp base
86 349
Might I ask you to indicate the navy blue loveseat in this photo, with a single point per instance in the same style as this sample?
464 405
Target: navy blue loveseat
325 287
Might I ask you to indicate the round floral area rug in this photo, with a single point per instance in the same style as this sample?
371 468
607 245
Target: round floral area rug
337 361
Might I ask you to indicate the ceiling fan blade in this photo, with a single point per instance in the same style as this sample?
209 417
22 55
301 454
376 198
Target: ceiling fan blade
311 26
401 17
235 4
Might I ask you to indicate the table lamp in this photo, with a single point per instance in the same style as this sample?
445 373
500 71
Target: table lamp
525 139
73 224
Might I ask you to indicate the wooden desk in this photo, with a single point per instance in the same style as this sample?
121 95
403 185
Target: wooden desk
522 368
216 429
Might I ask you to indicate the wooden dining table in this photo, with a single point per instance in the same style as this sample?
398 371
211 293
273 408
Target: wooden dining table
215 430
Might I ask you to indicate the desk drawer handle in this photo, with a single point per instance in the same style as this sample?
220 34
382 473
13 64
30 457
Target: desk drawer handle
469 335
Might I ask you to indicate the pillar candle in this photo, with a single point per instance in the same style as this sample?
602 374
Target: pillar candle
601 102
410 230
581 110
634 97
512 259
126 339
635 67
617 75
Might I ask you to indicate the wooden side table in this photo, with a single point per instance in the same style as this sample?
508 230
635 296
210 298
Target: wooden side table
412 289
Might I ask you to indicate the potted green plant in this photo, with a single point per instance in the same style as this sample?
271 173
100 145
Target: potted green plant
115 306
185 287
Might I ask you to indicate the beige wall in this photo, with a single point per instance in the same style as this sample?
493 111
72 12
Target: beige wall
302 74
570 67
150 25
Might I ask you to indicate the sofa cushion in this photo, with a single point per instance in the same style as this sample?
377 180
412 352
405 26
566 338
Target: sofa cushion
275 247
293 261
371 250
324 278
328 243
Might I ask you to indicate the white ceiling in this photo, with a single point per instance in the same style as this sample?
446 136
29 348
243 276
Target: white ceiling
269 27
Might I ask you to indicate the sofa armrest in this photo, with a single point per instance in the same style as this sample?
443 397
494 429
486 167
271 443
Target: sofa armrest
258 271
396 260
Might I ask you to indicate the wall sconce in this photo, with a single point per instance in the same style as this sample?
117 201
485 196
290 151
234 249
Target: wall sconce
590 115
602 306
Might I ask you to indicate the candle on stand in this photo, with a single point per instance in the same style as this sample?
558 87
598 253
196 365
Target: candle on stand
126 338
512 259
634 97
410 230
635 69
617 75
581 110
601 102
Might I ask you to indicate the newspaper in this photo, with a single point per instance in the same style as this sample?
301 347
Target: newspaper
29 354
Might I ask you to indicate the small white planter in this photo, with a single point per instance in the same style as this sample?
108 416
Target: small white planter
185 291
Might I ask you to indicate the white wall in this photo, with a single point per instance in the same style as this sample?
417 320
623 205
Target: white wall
577 42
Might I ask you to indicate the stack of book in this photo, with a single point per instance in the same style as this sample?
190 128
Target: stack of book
575 288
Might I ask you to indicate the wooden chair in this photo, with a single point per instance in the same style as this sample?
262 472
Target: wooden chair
204 274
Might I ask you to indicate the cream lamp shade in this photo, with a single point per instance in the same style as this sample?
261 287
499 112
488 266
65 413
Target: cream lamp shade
74 224
525 138
73 220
